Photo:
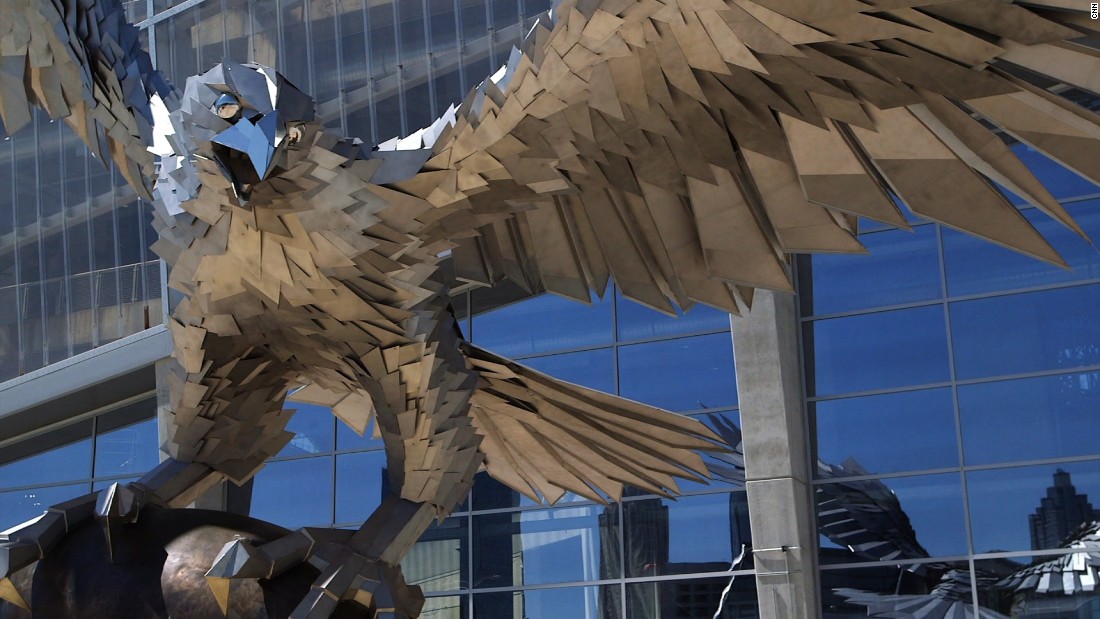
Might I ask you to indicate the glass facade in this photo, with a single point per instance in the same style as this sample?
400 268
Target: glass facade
952 386
954 408
113 447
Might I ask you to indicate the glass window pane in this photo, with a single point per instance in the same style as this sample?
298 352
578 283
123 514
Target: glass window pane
543 546
975 266
690 373
313 429
638 322
594 369
1034 507
1048 330
65 463
888 433
877 351
896 518
695 597
360 482
662 536
903 267
130 450
1031 418
1053 586
924 590
545 323
438 560
18 506
294 493
572 602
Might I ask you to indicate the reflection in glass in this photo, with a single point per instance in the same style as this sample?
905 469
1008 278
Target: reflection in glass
438 560
903 267
312 426
294 493
694 597
19 506
1050 586
360 482
690 373
877 351
1051 330
565 544
912 430
663 537
931 590
1031 418
594 369
976 266
1034 507
895 518
129 450
726 467
571 602
562 324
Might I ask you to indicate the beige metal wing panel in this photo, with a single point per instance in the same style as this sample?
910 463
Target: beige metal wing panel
81 61
545 437
698 144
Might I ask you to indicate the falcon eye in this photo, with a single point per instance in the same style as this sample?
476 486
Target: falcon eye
227 106
293 134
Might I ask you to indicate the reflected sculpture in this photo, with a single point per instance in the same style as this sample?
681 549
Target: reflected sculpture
685 149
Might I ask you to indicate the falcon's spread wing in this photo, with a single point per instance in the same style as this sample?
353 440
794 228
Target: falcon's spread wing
82 61
687 147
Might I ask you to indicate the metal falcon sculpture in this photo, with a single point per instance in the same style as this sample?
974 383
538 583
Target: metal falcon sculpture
686 149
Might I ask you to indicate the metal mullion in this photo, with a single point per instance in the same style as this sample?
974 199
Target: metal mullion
95 446
307 26
429 54
67 282
491 37
371 103
968 468
460 43
883 391
280 38
92 282
615 347
958 299
341 85
400 57
41 252
149 9
955 405
1033 462
825 481
117 251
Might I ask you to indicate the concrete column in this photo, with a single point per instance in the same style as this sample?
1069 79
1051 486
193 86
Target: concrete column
777 467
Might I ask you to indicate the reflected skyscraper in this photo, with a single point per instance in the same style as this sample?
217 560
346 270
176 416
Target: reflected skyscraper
1059 513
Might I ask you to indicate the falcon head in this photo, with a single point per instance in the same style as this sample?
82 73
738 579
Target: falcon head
246 119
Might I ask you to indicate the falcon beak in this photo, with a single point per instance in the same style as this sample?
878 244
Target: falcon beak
245 152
